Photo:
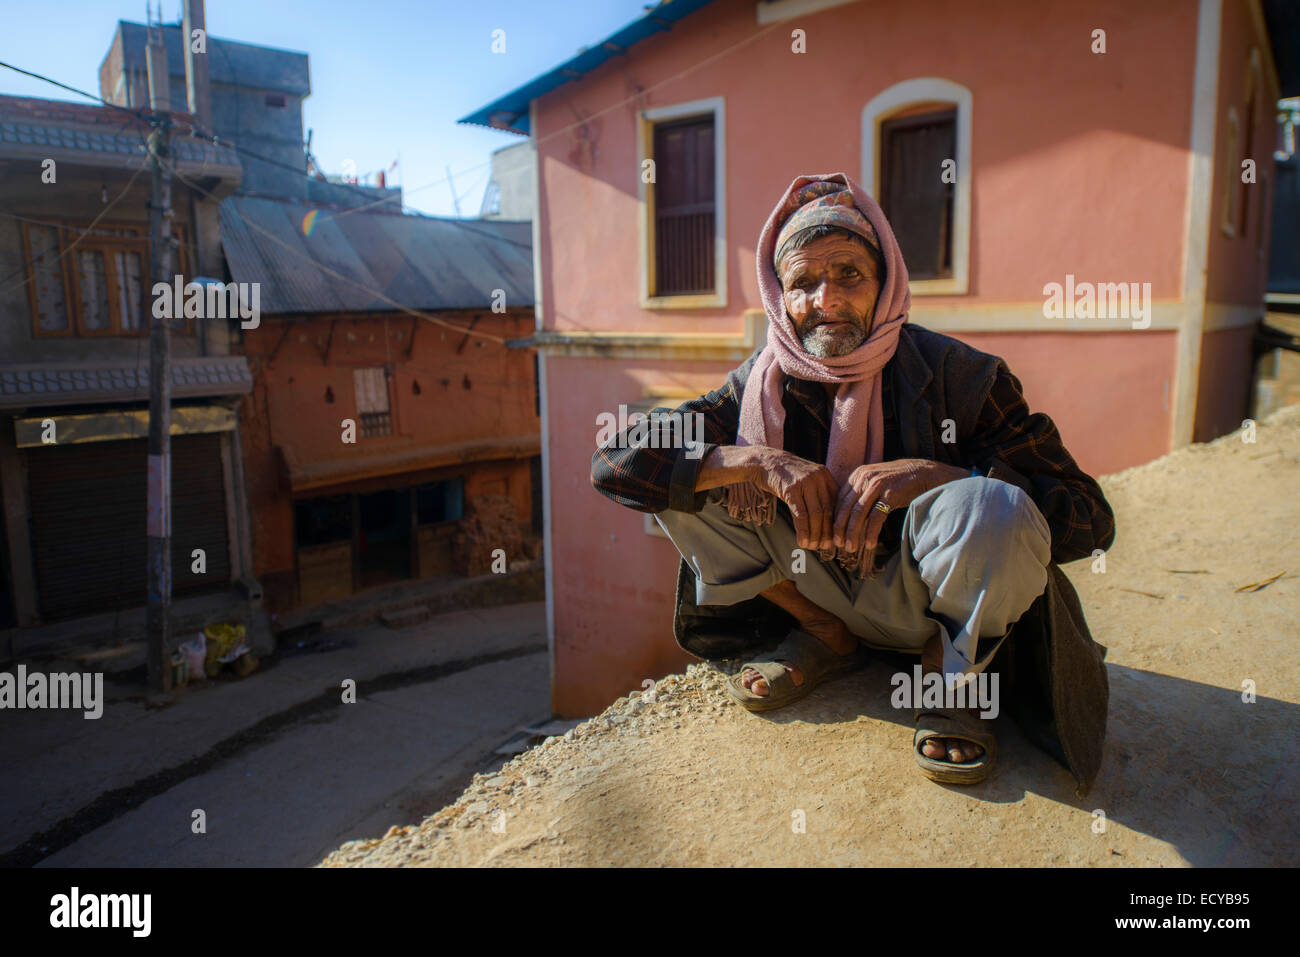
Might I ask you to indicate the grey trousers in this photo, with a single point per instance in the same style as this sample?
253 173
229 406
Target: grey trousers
972 559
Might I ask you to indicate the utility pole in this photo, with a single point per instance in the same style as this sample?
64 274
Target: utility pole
159 523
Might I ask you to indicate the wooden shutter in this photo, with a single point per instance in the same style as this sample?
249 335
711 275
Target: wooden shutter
684 207
371 387
918 204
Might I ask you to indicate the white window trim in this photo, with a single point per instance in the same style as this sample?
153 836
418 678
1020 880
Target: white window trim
893 100
646 121
774 11
1232 149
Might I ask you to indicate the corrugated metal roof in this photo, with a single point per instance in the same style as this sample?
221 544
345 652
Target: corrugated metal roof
358 261
510 112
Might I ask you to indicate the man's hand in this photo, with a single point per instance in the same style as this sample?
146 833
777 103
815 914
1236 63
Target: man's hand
807 488
897 483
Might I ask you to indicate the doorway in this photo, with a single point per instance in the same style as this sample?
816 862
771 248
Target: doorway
384 536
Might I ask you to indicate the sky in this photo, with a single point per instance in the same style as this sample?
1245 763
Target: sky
389 79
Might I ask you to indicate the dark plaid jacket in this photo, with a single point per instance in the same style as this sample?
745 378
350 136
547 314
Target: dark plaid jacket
948 402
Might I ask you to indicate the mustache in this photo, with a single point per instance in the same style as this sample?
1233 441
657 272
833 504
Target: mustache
844 314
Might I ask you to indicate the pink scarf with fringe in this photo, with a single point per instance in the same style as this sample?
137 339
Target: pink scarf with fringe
857 431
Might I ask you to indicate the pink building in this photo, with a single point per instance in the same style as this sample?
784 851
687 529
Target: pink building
1013 144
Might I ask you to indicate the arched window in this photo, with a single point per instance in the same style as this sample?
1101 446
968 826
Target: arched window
916 163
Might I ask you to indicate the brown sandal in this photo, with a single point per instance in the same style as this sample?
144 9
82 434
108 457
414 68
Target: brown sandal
807 653
954 723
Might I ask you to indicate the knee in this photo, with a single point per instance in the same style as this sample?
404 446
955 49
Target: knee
996 516
1009 520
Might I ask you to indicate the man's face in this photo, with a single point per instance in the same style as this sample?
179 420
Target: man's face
830 289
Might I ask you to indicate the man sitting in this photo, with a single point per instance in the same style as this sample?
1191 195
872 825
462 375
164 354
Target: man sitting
803 494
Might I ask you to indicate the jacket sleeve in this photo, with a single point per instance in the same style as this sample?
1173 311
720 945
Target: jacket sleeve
659 471
1025 449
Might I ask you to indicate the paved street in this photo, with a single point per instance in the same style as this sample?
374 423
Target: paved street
283 770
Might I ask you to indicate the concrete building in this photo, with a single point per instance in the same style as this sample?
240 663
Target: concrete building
74 383
1122 166
256 95
512 189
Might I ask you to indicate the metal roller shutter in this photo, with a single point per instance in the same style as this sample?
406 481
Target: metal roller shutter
88 522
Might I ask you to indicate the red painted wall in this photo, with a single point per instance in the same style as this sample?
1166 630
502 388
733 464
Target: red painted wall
482 391
1079 165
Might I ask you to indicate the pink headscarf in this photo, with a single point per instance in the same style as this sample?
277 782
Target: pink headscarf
857 431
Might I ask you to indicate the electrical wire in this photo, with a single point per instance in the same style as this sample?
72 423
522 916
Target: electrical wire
152 117
129 183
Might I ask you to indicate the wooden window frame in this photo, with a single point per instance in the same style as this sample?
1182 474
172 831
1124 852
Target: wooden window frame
32 301
911 120
647 120
903 97
1231 174
1254 84
67 231
389 414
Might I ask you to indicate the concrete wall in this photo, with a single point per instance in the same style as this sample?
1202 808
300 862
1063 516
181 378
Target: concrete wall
514 171
241 75
75 198
241 114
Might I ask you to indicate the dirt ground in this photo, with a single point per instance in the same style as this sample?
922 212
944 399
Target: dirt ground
1193 775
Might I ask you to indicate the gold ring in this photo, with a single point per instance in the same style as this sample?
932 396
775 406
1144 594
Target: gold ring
883 507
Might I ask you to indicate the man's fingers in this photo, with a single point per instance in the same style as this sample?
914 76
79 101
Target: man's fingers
799 516
875 523
857 522
821 522
845 500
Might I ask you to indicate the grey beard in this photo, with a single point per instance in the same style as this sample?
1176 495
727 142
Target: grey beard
824 347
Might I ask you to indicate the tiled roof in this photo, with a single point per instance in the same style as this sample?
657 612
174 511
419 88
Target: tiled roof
50 384
98 135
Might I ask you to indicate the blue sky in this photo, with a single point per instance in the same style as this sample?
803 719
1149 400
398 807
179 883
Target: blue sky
388 78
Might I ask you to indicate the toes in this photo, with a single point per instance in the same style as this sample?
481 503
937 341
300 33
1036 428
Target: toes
954 751
753 681
933 748
967 750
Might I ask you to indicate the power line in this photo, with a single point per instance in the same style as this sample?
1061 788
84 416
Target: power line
150 116
85 232
137 114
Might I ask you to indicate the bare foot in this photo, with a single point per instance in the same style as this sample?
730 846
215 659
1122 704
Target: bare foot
830 631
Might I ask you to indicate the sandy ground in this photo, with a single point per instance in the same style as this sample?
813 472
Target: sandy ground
1193 775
